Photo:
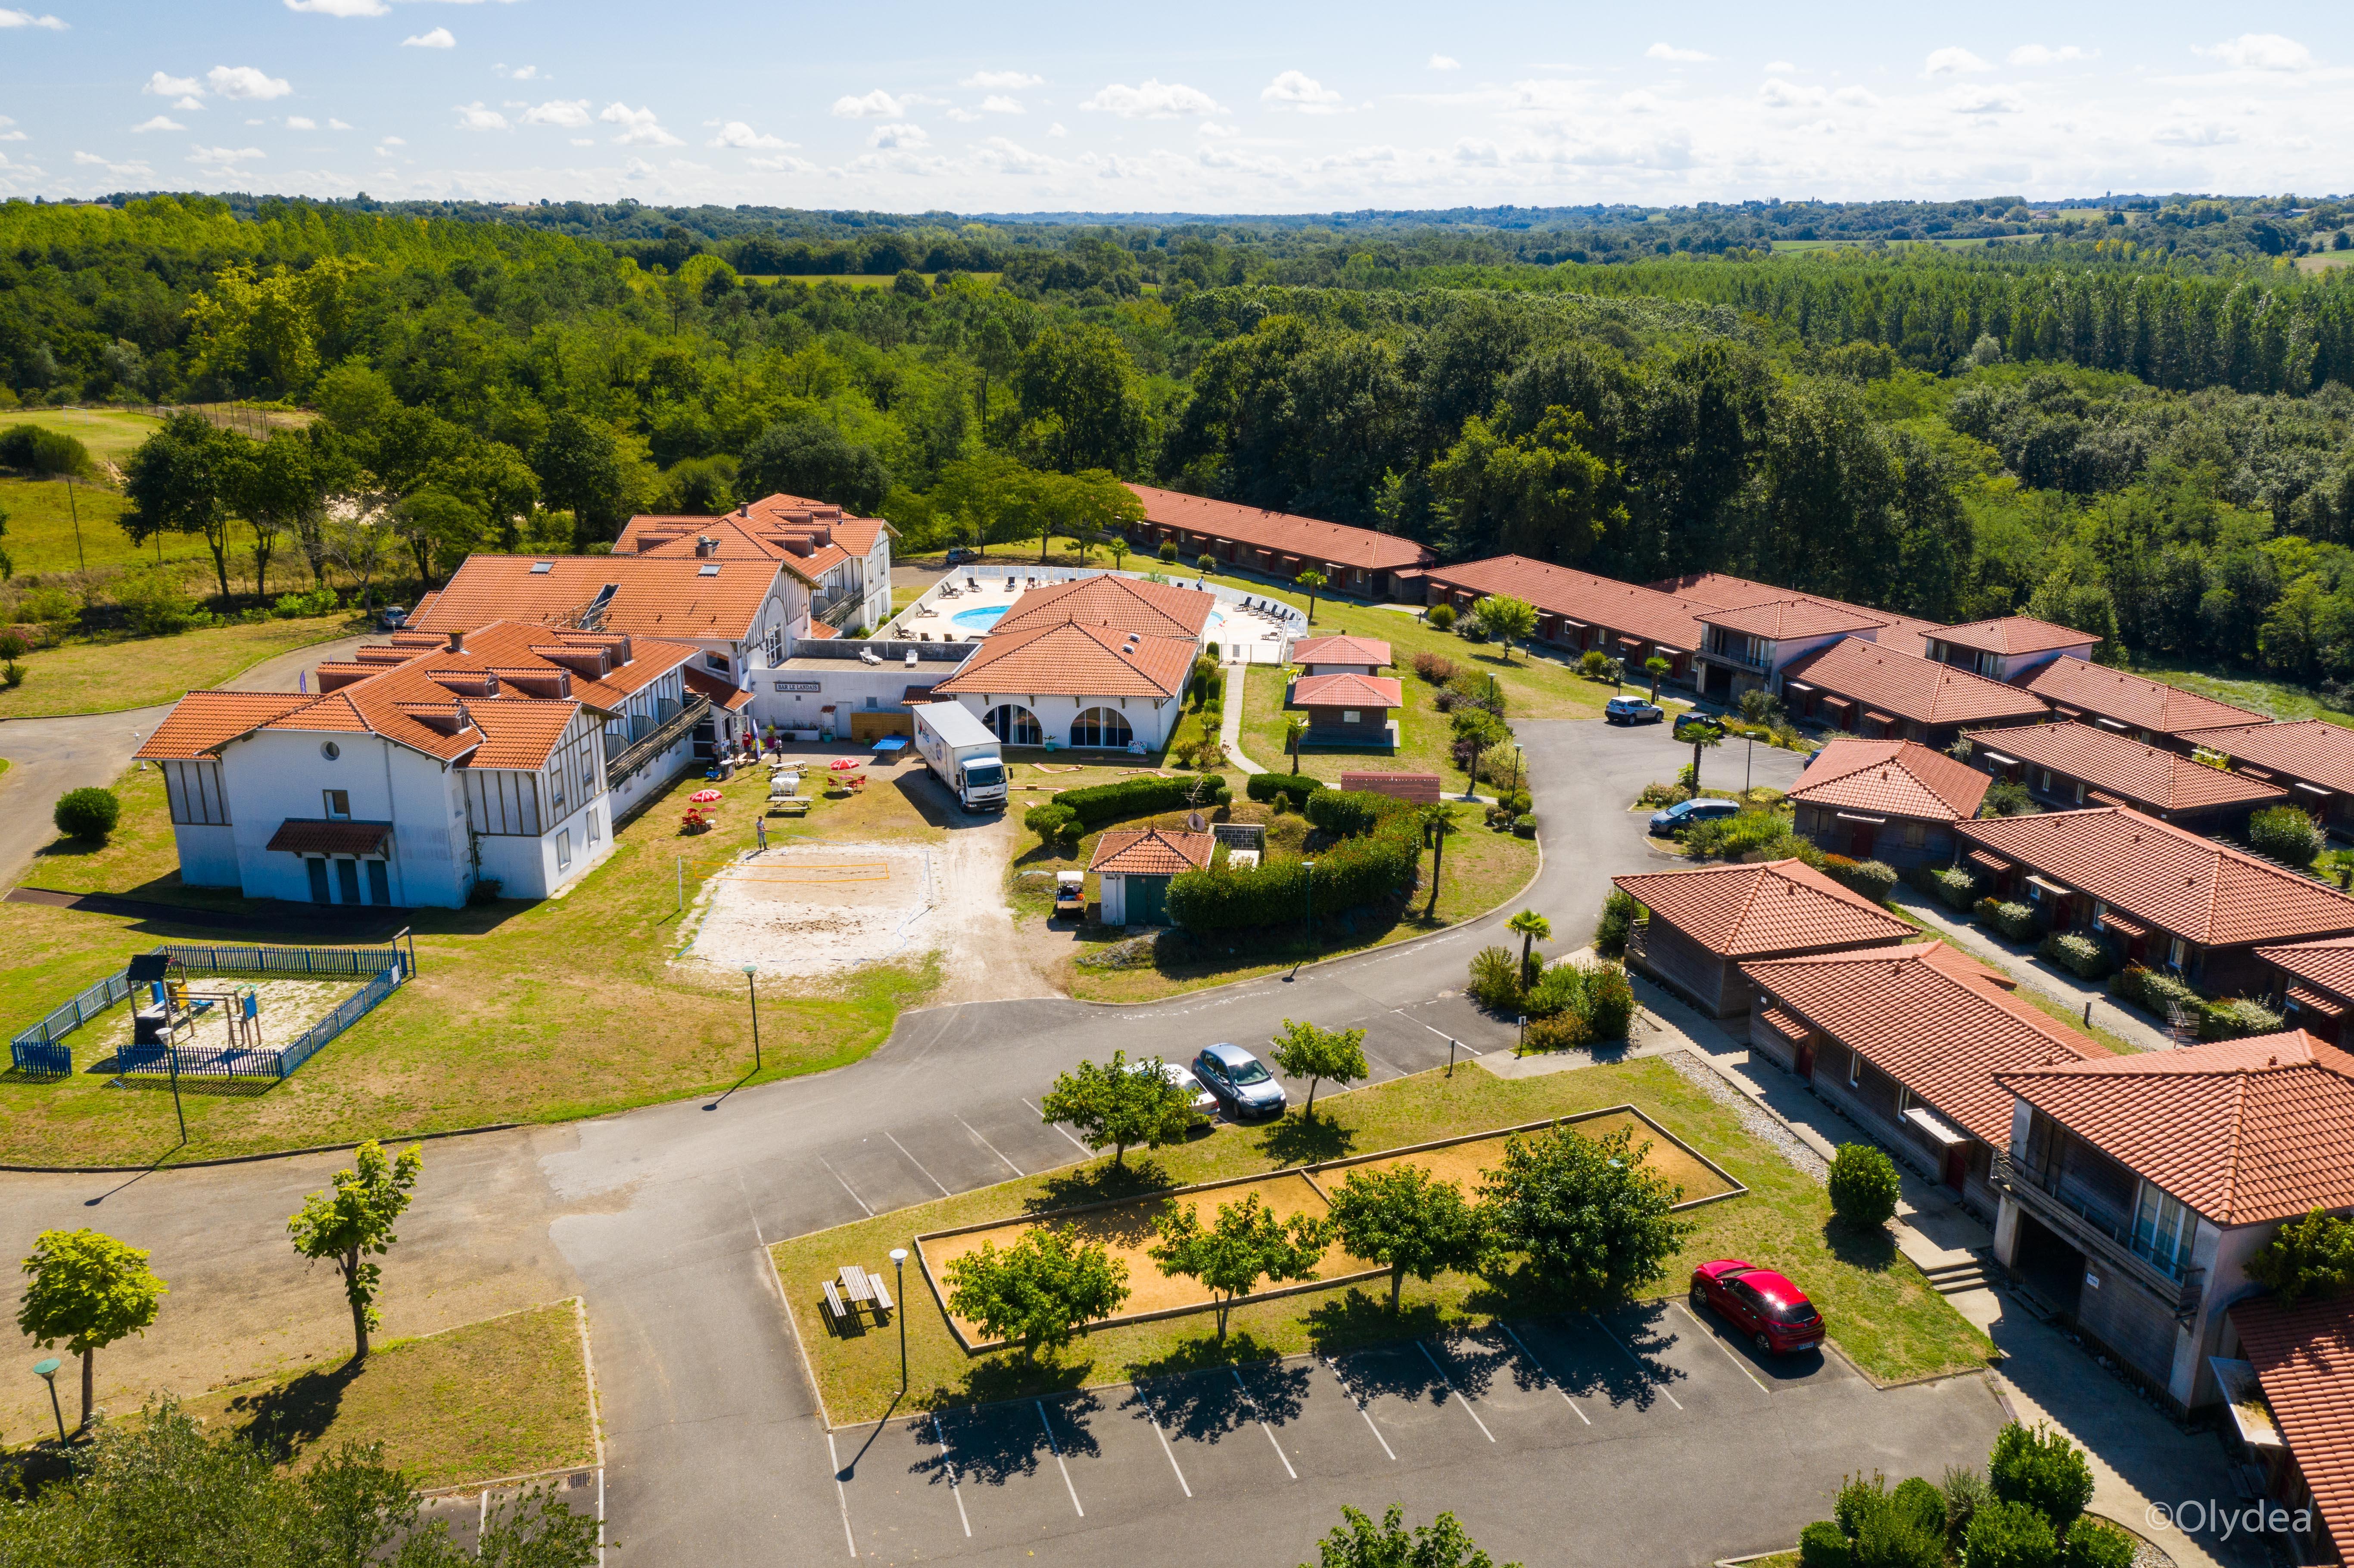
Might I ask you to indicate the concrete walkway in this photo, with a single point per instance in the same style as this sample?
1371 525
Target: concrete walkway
1230 718
2021 962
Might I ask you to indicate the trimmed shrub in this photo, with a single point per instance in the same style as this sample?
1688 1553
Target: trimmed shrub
2152 991
1609 1002
89 813
1875 879
1920 1505
2078 954
1346 812
2093 1544
1561 1031
1951 885
1618 909
2235 1018
1858 1500
1053 823
1892 1538
2010 1535
1265 787
1353 874
1439 617
2040 1469
2286 834
1863 1186
2013 919
1495 982
1101 803
1821 1545
1594 664
1663 795
1525 825
2005 798
1436 668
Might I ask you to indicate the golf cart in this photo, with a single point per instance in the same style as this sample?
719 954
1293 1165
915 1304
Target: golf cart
1071 894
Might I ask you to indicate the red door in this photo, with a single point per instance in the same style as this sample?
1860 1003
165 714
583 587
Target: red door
1806 1065
1957 1166
1859 844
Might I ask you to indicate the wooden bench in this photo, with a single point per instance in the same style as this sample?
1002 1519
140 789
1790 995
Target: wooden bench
834 1304
788 807
882 1297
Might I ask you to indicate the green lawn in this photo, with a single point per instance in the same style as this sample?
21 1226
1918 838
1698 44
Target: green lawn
504 1397
85 677
545 1011
1883 1314
2282 699
110 434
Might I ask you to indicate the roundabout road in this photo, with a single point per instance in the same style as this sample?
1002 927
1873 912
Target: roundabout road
716 1454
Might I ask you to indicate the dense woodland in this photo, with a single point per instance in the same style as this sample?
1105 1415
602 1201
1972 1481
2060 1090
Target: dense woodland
2131 416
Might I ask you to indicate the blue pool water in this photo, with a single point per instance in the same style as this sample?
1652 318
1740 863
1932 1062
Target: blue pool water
979 618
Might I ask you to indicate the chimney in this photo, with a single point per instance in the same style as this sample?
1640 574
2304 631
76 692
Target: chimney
706 547
457 642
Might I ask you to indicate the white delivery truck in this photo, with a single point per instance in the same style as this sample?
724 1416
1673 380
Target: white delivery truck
961 754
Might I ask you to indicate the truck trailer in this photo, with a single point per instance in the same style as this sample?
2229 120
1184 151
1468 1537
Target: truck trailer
962 753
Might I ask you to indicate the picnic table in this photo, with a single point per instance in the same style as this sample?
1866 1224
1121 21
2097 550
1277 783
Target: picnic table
851 1289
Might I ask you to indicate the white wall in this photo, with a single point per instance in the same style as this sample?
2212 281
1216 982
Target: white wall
208 855
1151 719
845 684
1114 898
274 774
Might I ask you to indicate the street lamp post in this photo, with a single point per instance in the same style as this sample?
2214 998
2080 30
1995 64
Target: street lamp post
1522 1042
1451 1043
1309 867
900 1264
48 1372
753 992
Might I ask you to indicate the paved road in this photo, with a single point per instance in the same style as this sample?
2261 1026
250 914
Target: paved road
47 756
716 1453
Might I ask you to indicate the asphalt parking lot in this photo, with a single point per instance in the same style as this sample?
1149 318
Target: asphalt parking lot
1554 1440
463 1514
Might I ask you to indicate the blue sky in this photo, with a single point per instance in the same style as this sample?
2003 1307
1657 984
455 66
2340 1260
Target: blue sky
1202 107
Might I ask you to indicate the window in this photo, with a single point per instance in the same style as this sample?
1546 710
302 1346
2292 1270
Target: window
1352 715
2163 1231
2046 777
564 850
873 704
1854 1068
339 805
592 827
715 662
1102 727
1915 835
2176 952
2079 792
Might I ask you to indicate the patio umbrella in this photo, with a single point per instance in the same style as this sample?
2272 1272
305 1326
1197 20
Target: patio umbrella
844 763
704 797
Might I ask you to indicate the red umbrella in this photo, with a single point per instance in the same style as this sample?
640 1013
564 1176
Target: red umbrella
704 797
844 764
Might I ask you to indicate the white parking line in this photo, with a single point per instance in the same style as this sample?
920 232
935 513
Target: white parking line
1057 1448
919 1165
1165 1449
1334 1368
1458 1393
847 1187
1263 1426
1066 1131
1548 1378
1721 1345
1442 1033
841 1496
941 1437
991 1146
1631 1356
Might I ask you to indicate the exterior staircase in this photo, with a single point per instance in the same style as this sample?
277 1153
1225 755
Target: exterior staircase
1971 1273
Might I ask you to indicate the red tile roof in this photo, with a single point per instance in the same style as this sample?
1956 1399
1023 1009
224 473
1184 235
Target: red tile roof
1906 634
2243 1131
661 597
1346 691
2190 886
1368 651
1152 852
723 693
2304 1356
1648 615
1910 686
203 720
1067 659
2012 634
311 835
1156 610
2312 750
1892 778
2327 964
1774 907
1794 618
2135 773
1315 543
2133 701
517 733
1934 1019
778 529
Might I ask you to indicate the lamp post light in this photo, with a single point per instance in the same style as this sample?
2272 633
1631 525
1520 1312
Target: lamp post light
899 1265
1518 1045
46 1370
1451 1043
752 991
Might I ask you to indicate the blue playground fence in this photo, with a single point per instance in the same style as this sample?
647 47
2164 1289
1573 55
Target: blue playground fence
37 1050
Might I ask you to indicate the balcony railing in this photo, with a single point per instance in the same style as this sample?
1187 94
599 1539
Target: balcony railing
642 753
1639 942
838 611
2097 1231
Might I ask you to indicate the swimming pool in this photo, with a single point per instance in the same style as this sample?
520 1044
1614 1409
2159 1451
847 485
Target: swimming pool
980 617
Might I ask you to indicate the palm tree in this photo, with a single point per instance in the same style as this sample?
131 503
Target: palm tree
1703 736
1294 732
1438 821
1532 928
1658 667
1313 581
1118 552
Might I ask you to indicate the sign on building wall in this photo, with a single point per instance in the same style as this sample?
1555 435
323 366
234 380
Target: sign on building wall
800 685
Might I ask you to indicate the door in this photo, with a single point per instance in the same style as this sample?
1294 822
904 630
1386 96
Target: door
379 883
1804 1066
1957 1166
1148 900
318 870
348 880
1859 844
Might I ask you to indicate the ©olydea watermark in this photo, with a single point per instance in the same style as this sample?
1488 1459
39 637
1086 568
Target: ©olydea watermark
2198 1516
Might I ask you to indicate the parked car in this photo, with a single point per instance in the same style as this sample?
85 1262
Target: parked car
1204 1104
1632 711
1684 813
1239 1082
959 556
1688 723
392 616
1763 1307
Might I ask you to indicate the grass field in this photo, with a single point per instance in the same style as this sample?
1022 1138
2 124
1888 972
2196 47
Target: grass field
108 677
110 434
1883 1314
504 1397
2281 699
545 1011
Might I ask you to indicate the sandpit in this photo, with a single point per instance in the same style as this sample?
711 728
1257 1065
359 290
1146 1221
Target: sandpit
288 1008
1464 1164
814 910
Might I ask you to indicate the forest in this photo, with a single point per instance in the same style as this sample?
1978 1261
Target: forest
2133 417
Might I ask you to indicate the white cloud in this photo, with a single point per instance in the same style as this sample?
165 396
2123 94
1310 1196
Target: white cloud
222 158
438 39
2260 51
1209 128
1297 90
2043 54
188 103
518 73
1776 93
1444 63
159 123
1855 97
1952 60
164 86
1780 68
135 169
1056 129
876 105
2195 133
301 122
1984 100
572 113
897 134
1669 52
475 117
1004 80
735 134
1477 151
997 103
244 81
584 141
338 126
638 127
1151 100
339 7
394 142
9 18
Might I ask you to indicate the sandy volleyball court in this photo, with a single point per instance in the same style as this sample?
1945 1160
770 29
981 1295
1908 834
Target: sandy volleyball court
817 909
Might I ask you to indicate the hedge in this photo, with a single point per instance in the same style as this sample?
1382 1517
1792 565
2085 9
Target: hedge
1141 797
1951 885
2152 991
1266 787
1873 879
2078 954
2014 920
1345 813
1351 875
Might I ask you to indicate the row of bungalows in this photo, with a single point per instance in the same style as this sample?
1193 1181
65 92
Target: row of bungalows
1359 562
1890 801
1579 613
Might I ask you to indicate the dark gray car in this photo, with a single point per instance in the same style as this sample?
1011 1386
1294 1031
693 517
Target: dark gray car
1240 1081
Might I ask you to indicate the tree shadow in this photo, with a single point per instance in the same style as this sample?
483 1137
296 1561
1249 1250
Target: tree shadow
1359 1317
1872 1249
994 1443
285 1421
1098 1183
1206 1353
1209 1404
1296 1141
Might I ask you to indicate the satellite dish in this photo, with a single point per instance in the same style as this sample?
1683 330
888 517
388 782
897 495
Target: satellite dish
1196 821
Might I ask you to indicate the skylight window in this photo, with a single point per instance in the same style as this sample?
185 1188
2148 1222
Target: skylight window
710 569
540 568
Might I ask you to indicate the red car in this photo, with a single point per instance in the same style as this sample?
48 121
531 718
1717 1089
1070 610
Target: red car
1772 1313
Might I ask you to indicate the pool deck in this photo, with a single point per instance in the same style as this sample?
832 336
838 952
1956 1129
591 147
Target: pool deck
935 617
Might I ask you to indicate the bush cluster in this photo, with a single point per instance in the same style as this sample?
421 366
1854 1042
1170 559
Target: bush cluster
2235 1018
2013 919
1863 1186
1358 871
2285 834
1141 797
1599 998
88 813
1266 787
2026 1510
1439 617
301 606
1595 665
1957 887
1618 912
1875 879
1436 668
1750 835
2078 954
2151 990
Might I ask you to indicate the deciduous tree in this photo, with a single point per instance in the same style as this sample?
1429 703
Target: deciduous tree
1406 1218
353 1221
88 1289
1590 1218
1038 1292
1116 1103
1307 1051
1248 1243
1358 1542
